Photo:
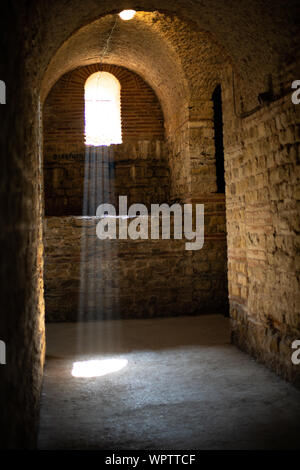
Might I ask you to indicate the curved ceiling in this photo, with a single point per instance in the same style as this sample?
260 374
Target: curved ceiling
253 33
175 50
170 54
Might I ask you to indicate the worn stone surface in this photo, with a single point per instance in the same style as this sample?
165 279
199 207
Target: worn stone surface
21 288
132 278
171 395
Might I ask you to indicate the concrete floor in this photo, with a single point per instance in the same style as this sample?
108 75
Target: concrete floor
185 387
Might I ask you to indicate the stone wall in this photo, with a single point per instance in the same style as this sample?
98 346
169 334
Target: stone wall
141 114
76 183
262 197
21 288
192 154
133 278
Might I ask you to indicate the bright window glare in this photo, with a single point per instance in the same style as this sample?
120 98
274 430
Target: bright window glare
102 110
97 368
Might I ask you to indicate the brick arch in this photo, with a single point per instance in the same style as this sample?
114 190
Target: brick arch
182 66
141 113
141 169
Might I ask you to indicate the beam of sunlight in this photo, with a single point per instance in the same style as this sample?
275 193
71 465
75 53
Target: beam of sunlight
98 368
99 273
98 283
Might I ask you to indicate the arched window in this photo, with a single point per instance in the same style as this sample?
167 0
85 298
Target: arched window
102 110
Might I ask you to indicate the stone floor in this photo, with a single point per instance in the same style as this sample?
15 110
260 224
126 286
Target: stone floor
184 387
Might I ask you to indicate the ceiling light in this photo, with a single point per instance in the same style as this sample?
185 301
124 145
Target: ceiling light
127 14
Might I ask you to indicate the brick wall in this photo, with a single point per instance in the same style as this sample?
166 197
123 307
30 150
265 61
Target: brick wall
262 197
139 165
22 325
141 113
